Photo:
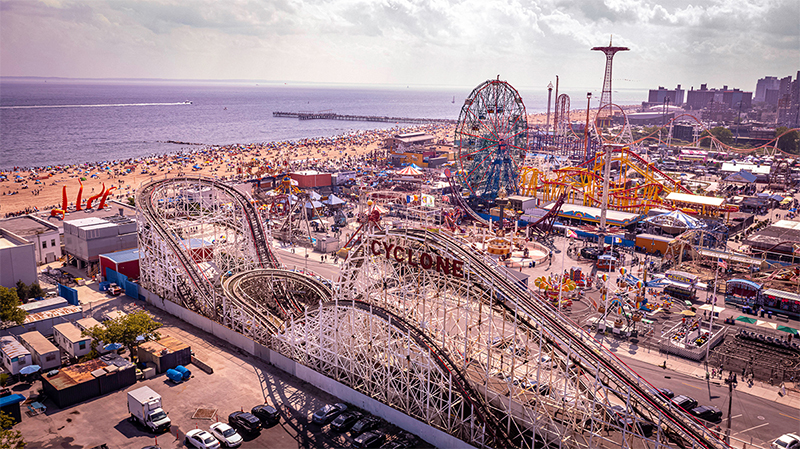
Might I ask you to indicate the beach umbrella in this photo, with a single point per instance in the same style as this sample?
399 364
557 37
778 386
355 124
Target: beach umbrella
788 329
30 369
687 313
112 346
746 319
767 324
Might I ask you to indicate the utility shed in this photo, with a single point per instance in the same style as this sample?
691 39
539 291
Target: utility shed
10 404
166 353
69 337
15 356
44 353
77 383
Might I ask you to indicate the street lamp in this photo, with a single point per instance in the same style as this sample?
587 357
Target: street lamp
738 123
549 93
586 128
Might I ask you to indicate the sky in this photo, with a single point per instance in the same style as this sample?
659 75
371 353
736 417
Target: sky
405 42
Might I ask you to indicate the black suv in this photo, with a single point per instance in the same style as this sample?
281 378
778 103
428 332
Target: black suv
245 422
684 402
266 413
708 413
365 424
345 420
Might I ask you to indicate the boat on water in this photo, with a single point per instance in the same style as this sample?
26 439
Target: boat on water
187 102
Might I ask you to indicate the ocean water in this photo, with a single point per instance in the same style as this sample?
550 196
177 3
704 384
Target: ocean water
46 122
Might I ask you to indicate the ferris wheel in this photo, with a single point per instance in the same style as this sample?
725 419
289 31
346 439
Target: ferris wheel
491 139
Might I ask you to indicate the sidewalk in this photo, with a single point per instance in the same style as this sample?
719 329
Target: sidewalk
698 370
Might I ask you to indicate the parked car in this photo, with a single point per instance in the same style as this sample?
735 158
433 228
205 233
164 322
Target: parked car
365 424
327 413
666 392
114 289
226 434
370 439
708 413
245 422
266 413
684 402
786 441
346 420
201 439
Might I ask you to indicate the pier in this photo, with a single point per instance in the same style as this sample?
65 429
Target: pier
359 118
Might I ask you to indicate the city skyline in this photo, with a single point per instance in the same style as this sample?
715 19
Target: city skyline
404 43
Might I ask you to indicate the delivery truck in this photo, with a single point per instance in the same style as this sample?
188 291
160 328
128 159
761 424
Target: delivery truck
144 405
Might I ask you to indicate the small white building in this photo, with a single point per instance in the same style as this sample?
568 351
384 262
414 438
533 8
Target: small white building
88 323
15 356
68 337
44 236
44 353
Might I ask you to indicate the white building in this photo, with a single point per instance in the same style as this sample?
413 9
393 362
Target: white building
17 260
68 337
15 356
86 238
44 353
44 236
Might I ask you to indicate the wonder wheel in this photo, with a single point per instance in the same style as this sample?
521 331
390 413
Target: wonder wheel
491 139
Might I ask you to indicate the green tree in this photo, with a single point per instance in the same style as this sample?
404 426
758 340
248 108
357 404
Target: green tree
35 291
10 438
9 306
789 142
22 290
125 330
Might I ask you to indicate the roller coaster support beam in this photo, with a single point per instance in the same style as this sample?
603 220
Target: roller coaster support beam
604 204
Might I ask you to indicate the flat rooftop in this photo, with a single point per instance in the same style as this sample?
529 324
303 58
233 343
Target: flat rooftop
26 226
6 243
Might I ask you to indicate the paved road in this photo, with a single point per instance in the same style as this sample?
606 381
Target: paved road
754 419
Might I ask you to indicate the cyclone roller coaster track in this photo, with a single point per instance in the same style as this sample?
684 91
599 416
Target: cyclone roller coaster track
581 349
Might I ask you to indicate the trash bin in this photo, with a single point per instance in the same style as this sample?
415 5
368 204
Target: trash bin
762 313
769 314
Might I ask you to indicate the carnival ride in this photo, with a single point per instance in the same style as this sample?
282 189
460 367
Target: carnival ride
292 212
638 185
491 140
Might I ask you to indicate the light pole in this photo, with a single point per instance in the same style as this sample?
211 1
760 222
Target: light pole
549 93
738 123
586 128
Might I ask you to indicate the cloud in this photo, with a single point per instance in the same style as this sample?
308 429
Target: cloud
451 42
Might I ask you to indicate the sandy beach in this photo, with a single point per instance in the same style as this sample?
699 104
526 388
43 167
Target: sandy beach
27 190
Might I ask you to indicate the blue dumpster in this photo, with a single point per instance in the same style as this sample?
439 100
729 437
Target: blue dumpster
184 372
175 376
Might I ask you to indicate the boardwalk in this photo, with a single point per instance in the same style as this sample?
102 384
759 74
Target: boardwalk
359 118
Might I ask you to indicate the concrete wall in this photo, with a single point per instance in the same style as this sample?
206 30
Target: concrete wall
17 262
430 434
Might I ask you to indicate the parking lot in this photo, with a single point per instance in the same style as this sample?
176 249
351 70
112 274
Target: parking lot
239 382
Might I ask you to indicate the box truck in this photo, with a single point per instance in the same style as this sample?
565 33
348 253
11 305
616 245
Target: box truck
144 405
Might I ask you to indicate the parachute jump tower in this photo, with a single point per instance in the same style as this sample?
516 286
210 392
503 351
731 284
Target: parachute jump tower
605 98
